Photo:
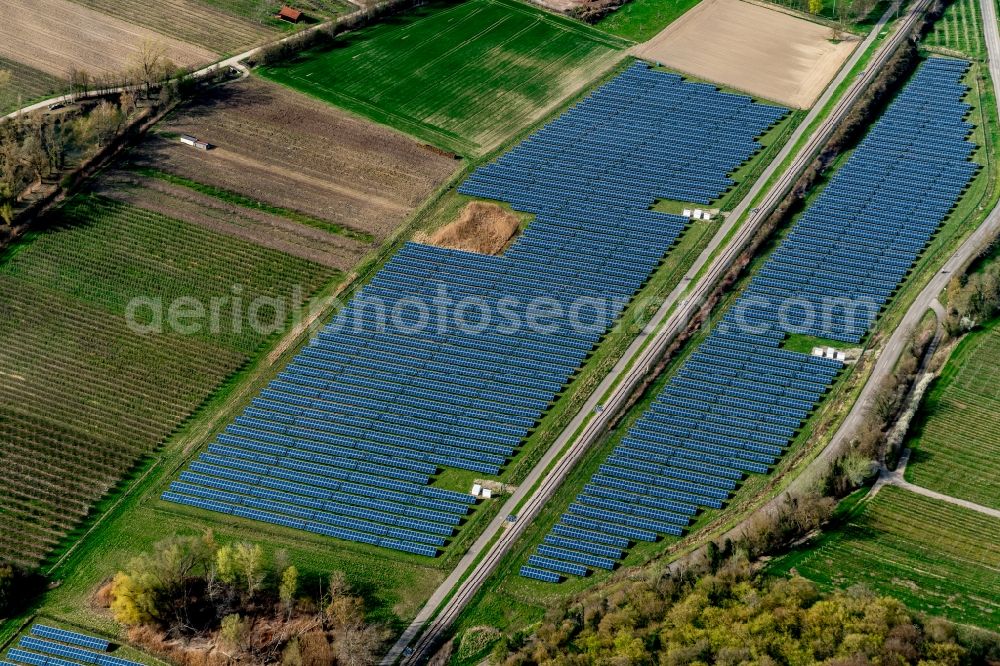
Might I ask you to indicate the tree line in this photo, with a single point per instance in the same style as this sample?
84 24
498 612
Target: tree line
725 614
199 602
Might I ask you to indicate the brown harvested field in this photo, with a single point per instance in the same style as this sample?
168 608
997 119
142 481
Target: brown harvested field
763 51
482 227
285 149
55 36
559 5
189 21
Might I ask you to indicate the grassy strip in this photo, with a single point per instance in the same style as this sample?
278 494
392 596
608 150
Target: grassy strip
640 20
238 199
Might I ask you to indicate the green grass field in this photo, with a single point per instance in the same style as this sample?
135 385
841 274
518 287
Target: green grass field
641 20
26 85
464 77
959 30
82 395
933 556
956 442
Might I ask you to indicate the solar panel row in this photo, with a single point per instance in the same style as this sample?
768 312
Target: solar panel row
69 637
739 399
449 358
51 646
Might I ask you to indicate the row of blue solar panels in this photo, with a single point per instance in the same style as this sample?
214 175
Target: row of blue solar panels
739 399
651 123
50 646
70 637
448 359
852 249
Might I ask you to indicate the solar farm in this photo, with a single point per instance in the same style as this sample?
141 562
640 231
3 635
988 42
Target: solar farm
347 440
50 646
479 331
739 399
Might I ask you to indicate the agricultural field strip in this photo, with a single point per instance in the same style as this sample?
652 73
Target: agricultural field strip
934 556
958 443
74 366
739 400
191 21
46 35
454 398
497 56
959 29
26 84
759 49
265 132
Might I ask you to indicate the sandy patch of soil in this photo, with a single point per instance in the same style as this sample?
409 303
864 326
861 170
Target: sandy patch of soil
481 227
56 36
765 52
559 5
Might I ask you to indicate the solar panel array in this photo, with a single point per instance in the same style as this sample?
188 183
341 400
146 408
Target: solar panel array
850 251
739 399
347 439
645 135
49 646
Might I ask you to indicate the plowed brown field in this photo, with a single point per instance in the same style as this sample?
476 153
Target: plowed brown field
55 36
285 149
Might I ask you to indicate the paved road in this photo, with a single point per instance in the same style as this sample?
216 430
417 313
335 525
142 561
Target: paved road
448 600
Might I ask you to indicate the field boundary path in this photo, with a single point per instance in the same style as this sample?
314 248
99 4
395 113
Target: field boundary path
896 477
447 602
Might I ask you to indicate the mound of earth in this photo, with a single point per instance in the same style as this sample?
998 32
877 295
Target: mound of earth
481 227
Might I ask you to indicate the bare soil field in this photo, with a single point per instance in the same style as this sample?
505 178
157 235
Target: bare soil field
559 5
282 148
189 21
481 227
765 52
55 36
